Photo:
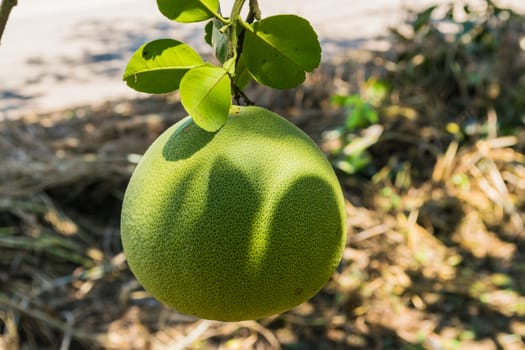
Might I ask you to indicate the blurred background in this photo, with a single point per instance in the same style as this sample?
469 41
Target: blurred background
419 107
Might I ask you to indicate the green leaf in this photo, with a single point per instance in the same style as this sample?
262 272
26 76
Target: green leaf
158 66
278 50
205 92
188 11
242 76
219 40
423 18
208 32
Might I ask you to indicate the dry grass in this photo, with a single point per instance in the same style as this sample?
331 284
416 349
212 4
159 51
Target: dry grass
438 261
435 256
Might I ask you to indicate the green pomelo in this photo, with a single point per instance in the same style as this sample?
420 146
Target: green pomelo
239 224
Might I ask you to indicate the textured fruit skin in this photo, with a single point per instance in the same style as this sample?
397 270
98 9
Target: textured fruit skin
239 224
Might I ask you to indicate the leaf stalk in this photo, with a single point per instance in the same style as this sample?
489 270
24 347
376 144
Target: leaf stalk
234 35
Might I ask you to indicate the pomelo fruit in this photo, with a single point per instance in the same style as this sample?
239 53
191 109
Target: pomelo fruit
238 224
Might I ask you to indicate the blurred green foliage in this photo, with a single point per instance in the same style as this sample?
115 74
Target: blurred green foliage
360 130
457 63
454 72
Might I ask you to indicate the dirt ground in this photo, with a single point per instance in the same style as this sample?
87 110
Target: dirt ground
435 255
442 268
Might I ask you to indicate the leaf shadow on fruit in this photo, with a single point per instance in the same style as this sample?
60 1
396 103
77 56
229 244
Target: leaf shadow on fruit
299 254
178 147
218 279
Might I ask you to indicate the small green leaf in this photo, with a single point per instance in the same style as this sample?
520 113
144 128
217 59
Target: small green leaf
423 18
188 11
205 93
158 66
219 40
278 50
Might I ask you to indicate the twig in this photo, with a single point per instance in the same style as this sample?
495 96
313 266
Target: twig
201 327
44 317
265 332
68 332
5 11
371 232
239 94
254 13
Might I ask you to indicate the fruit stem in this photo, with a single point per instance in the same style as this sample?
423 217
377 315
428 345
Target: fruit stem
239 94
234 36
5 10
236 10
